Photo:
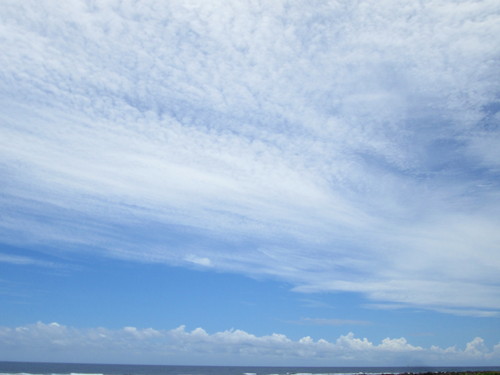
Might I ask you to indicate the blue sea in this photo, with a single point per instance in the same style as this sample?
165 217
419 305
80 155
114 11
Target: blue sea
31 368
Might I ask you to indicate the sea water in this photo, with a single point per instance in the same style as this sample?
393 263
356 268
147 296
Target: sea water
31 368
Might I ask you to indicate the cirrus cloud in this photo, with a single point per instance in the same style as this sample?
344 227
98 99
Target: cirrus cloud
346 146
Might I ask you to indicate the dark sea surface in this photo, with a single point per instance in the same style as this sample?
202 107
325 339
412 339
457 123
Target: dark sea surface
35 368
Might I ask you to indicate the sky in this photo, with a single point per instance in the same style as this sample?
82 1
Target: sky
250 182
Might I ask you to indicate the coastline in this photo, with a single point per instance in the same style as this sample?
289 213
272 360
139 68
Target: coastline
51 368
447 373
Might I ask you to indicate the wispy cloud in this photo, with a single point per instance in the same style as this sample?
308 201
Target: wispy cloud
24 261
341 147
315 303
199 261
333 322
54 341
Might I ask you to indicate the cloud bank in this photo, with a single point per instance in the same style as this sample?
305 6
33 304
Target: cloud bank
53 342
341 146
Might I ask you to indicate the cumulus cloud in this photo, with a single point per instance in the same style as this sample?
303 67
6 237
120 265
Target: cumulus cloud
55 341
342 146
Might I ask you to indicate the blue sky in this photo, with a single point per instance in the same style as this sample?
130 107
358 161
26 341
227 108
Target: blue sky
250 183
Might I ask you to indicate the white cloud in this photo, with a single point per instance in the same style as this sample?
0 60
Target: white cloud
476 347
334 322
201 261
26 261
55 342
398 345
341 147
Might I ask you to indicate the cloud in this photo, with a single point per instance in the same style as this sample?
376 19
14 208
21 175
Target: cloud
340 147
199 261
24 261
476 347
453 311
55 342
333 322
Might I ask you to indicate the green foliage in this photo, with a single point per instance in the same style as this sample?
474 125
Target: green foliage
458 373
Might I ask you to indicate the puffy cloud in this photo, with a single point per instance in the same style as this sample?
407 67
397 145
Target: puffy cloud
347 146
350 342
476 347
56 342
397 345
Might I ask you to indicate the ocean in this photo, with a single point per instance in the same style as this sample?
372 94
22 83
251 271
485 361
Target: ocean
31 368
